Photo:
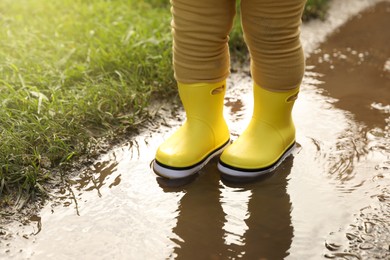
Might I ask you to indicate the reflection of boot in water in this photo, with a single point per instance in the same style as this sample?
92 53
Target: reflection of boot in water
201 219
270 230
267 141
203 135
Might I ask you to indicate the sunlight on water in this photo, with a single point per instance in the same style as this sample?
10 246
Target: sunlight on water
234 202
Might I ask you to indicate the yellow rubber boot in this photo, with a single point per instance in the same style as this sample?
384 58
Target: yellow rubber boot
268 139
202 136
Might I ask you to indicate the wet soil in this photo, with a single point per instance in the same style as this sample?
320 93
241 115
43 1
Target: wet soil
331 199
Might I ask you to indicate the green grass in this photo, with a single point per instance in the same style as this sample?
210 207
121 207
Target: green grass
72 71
315 9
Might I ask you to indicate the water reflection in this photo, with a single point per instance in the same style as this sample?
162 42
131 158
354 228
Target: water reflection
95 178
216 222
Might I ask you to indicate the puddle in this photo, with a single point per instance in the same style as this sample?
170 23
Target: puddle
353 67
329 200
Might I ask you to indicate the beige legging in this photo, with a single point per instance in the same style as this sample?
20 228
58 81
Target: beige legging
271 29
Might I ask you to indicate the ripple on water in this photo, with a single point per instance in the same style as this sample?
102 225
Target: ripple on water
355 73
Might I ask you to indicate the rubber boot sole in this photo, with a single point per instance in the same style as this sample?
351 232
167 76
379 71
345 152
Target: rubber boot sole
232 173
170 172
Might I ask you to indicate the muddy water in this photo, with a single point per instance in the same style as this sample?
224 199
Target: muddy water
331 199
353 67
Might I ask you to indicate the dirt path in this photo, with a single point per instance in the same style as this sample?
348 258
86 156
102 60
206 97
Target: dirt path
331 199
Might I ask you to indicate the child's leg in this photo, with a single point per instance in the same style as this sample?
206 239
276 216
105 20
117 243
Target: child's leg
271 30
200 31
201 63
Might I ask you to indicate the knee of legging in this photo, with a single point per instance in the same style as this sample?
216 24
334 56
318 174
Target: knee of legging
277 58
271 30
272 25
200 38
201 26
269 34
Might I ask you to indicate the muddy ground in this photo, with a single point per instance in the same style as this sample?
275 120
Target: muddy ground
331 199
